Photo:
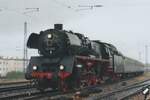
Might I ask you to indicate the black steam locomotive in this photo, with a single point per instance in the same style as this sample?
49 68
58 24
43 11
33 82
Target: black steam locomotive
70 60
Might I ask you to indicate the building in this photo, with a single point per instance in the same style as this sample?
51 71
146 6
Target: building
9 65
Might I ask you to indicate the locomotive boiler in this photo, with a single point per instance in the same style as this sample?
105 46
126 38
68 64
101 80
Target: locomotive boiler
69 60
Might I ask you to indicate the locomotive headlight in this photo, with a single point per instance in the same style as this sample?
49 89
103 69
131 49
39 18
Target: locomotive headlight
49 36
79 66
34 67
61 67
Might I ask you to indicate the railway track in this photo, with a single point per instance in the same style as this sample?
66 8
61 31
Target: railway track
9 88
42 96
12 88
120 93
91 93
100 93
23 91
5 83
29 94
4 87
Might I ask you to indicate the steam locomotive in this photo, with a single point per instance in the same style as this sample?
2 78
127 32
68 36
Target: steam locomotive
69 60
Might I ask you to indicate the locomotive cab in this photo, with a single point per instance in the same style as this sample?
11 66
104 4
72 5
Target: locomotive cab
110 53
103 49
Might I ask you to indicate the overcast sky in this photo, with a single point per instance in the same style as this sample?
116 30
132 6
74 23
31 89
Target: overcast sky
124 23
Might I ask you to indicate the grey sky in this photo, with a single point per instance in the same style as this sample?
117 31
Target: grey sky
124 23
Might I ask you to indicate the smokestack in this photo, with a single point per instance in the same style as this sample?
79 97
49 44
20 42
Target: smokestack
58 26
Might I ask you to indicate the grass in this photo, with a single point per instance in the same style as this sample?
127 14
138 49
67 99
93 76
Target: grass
15 75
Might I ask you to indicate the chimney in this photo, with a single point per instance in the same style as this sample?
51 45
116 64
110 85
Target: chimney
58 26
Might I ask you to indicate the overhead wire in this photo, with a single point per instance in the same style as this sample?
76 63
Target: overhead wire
63 4
84 7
